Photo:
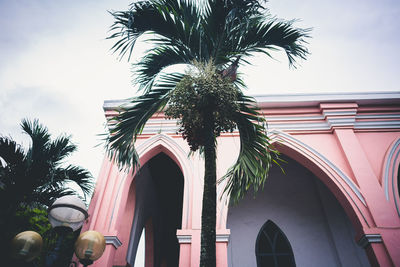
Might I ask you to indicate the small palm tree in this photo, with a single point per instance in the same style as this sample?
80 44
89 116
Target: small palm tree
34 178
214 37
37 176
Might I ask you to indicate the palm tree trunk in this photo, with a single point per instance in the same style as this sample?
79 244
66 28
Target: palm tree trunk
208 216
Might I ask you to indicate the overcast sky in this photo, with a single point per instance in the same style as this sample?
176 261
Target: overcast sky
55 64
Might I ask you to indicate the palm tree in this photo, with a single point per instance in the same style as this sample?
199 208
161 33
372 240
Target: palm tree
37 176
30 180
215 37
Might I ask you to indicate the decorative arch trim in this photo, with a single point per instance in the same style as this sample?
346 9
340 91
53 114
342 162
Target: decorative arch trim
147 150
351 192
163 143
389 177
315 154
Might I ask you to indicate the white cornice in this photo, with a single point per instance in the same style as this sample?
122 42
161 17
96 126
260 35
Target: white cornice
313 99
304 99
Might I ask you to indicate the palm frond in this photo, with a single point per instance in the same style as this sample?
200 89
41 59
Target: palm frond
125 127
61 148
184 32
256 35
38 133
80 176
256 153
155 61
34 176
161 17
47 196
11 152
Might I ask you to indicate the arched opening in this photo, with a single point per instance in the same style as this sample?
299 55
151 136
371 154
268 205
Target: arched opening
273 248
314 222
158 210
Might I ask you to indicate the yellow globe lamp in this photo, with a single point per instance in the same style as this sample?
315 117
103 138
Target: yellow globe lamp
26 246
89 247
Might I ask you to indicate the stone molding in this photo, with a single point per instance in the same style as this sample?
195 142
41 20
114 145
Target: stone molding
113 240
367 239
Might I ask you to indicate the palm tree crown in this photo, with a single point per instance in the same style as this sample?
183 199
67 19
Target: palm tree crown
31 179
38 176
219 33
185 32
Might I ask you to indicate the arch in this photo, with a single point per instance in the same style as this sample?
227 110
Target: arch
273 248
343 188
123 202
147 150
154 183
307 212
390 174
163 143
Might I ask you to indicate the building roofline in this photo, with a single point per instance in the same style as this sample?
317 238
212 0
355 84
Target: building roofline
305 99
313 99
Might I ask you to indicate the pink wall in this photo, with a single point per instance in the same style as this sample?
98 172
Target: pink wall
351 143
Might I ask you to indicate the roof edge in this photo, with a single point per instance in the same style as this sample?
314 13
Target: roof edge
304 99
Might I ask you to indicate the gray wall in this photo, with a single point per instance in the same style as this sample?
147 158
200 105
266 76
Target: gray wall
315 224
159 194
145 207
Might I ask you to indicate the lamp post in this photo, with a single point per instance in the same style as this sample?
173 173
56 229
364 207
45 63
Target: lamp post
89 247
26 246
67 214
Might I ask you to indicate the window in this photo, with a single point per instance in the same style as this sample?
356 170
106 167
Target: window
273 248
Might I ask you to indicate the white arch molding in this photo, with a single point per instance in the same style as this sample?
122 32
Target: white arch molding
340 179
148 149
389 176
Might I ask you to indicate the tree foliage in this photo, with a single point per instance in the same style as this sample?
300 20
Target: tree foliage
38 175
200 91
214 37
31 179
211 31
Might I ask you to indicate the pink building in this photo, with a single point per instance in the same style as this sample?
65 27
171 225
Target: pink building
337 204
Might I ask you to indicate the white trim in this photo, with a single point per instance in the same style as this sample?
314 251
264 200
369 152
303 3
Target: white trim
377 124
294 118
181 155
339 113
391 160
379 116
322 122
302 99
222 238
313 99
341 174
114 104
367 239
113 240
337 122
386 121
318 126
184 239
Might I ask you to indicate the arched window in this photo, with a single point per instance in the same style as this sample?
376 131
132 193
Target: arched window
273 248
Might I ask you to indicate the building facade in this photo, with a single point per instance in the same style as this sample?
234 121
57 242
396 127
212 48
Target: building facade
336 202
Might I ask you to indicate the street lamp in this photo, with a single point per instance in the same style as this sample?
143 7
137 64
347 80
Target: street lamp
89 247
26 246
67 214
